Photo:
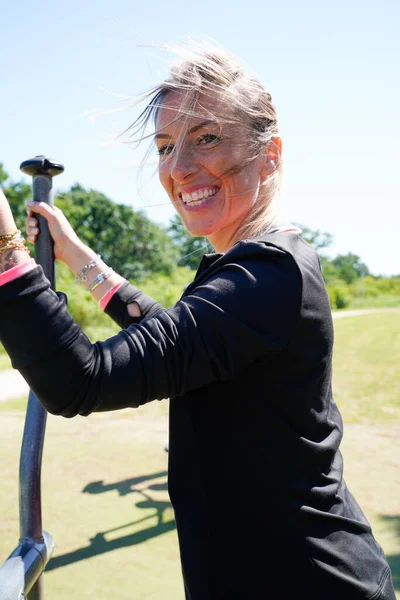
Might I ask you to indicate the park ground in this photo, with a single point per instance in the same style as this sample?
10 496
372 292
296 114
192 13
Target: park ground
104 478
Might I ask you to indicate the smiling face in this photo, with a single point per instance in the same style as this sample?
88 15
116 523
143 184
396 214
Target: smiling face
206 168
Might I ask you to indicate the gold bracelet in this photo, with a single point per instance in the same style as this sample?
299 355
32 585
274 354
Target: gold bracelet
18 244
9 236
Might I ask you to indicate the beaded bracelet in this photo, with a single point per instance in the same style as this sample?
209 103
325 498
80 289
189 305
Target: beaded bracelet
81 276
99 279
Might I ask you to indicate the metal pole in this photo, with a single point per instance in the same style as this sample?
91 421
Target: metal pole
42 170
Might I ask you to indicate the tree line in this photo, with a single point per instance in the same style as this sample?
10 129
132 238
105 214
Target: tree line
141 250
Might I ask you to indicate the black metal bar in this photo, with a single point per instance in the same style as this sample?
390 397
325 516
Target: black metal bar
44 253
42 171
22 571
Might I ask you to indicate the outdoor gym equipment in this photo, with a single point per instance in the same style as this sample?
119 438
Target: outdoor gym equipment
21 573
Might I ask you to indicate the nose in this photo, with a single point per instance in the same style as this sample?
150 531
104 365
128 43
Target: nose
183 165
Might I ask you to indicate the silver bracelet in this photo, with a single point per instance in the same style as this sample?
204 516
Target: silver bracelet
99 279
81 276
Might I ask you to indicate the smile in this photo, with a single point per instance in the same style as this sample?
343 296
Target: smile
199 196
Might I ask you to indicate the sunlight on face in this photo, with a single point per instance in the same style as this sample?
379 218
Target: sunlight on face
206 166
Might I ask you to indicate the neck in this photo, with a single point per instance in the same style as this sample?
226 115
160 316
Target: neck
251 227
223 239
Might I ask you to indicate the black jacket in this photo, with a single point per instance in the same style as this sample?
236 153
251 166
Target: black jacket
255 473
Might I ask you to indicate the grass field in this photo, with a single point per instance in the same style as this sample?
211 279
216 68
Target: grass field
104 478
5 362
366 367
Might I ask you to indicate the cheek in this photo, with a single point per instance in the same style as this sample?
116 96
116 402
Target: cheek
164 178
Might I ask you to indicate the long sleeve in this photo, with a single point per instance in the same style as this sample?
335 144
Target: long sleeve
127 293
237 312
17 271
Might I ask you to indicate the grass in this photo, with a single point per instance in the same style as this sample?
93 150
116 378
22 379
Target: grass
366 367
105 503
382 301
104 478
14 404
5 362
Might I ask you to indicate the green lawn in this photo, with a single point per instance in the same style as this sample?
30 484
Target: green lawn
366 367
105 503
5 362
104 478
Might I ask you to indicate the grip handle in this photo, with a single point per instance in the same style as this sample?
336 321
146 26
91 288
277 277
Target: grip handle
43 170
44 245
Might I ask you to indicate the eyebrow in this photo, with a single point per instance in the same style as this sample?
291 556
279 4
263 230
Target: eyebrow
164 136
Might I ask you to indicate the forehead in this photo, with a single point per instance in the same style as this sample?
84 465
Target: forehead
179 109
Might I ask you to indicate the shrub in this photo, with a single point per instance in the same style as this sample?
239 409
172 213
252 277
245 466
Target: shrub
339 295
167 289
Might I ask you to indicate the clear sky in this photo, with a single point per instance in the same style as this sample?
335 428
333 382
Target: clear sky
332 69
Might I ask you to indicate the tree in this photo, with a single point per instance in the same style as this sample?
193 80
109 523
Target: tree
318 239
350 267
132 244
191 248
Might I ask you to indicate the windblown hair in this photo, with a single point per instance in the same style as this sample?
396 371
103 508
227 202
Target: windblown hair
214 72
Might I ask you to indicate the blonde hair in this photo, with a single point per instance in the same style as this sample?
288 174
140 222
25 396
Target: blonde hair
214 71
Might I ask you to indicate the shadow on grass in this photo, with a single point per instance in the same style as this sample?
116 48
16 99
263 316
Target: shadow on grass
123 487
394 559
98 544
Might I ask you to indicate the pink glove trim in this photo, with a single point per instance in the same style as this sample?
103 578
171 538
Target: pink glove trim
106 299
17 271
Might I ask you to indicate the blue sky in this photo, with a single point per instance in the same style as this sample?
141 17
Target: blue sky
332 70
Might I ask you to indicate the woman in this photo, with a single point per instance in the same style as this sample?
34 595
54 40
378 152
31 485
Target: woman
245 355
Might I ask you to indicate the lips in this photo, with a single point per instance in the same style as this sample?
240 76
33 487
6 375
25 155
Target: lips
198 196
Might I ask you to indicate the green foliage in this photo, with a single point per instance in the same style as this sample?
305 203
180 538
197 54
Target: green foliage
190 248
131 243
350 267
375 286
318 239
347 278
330 273
3 175
375 292
86 312
364 292
96 324
168 290
339 294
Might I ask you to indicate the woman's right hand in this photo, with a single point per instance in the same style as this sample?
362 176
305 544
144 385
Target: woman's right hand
66 242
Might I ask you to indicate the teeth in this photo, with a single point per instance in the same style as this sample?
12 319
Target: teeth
196 197
195 203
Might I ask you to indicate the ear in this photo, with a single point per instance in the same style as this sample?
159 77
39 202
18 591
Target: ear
272 155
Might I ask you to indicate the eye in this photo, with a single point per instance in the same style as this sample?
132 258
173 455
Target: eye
208 138
165 150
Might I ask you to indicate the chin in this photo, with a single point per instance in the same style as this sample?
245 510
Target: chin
199 230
